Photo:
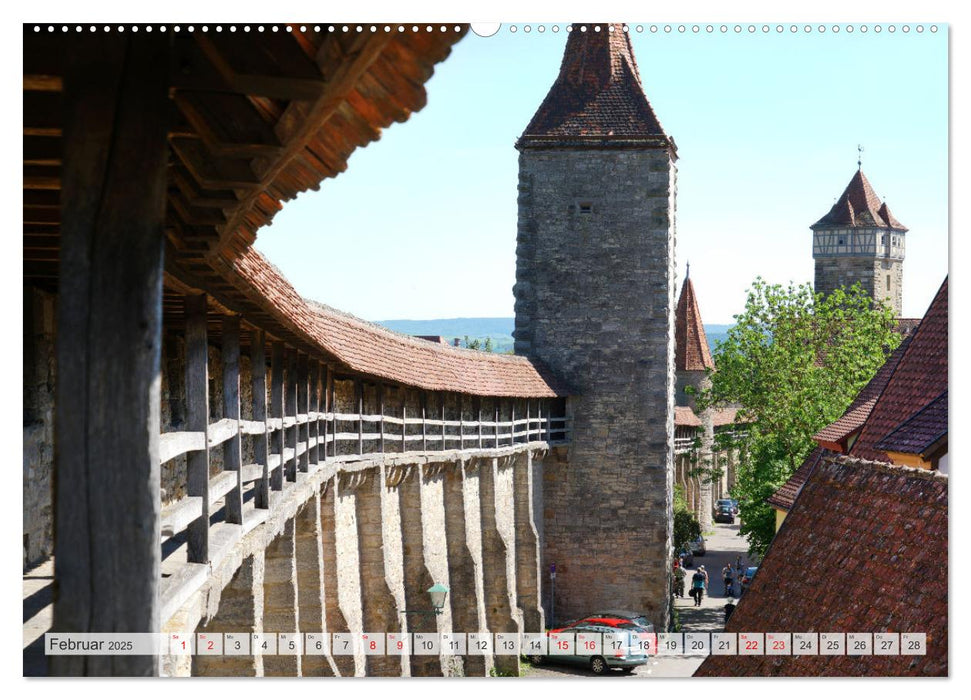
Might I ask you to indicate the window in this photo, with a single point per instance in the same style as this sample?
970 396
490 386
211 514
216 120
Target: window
888 283
585 207
840 242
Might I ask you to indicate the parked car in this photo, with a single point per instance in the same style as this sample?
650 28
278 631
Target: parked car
723 503
734 505
698 546
747 577
724 514
623 619
623 660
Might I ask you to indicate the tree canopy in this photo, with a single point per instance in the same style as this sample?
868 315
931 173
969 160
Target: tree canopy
793 362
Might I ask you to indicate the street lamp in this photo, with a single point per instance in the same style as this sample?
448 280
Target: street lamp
438 593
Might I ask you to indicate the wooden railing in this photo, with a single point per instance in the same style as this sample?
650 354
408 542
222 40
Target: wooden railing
218 510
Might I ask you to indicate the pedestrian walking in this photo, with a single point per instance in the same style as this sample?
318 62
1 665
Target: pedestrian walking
698 585
728 577
679 576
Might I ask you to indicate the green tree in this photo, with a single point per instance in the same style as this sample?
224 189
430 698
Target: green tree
686 525
793 361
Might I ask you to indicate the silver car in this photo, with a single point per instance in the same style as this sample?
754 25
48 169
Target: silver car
625 659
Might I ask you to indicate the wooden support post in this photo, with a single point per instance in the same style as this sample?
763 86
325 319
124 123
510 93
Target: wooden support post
381 412
424 428
359 390
313 426
197 420
478 411
290 406
461 422
549 423
257 353
539 417
497 421
303 407
404 424
332 409
512 422
444 446
107 407
529 425
232 448
276 408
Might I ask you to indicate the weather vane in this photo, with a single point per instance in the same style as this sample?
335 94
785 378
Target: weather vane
859 156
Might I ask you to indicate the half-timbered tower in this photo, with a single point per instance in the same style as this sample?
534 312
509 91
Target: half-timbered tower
859 240
595 303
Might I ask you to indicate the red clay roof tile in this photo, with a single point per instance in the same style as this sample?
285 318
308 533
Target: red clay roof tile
919 378
597 96
691 350
684 416
372 350
859 206
864 549
836 434
921 432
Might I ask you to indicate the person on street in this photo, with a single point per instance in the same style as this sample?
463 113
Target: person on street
728 577
698 586
679 576
729 609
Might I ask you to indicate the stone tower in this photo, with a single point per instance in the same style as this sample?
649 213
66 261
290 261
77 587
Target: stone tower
859 240
692 361
595 303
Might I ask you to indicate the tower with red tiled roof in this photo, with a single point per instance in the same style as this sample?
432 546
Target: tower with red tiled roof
595 304
692 362
692 356
859 240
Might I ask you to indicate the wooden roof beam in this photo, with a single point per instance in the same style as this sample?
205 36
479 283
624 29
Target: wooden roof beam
280 87
228 123
212 172
300 122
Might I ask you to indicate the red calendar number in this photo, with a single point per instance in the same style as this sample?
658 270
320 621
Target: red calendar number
752 644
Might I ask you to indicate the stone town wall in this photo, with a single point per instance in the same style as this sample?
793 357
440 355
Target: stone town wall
38 377
352 550
871 273
595 303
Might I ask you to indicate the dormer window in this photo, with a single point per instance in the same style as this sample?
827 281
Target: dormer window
585 207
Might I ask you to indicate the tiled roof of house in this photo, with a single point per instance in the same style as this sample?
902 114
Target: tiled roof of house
859 206
864 549
725 416
921 431
684 416
785 496
597 97
691 350
836 434
372 350
919 378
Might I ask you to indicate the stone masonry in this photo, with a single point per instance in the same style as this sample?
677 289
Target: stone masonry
595 303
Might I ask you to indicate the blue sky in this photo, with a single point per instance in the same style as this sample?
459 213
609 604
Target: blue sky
767 127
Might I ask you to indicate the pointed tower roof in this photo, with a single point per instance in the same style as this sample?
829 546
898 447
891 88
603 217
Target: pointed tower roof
597 99
859 206
691 345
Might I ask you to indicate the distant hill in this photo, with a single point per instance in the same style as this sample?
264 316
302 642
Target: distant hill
498 329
